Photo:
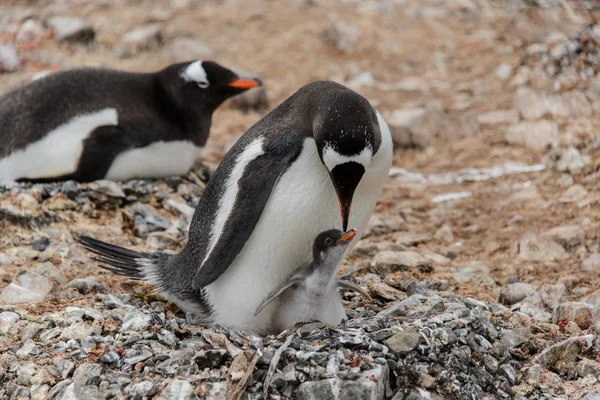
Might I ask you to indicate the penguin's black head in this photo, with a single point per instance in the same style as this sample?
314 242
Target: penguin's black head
204 84
331 244
347 136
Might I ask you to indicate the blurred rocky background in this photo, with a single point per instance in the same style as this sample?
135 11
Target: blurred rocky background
483 255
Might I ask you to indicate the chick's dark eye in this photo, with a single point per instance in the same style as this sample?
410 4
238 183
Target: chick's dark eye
328 241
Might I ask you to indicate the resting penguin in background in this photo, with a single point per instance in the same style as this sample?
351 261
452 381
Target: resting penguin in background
319 160
87 124
311 292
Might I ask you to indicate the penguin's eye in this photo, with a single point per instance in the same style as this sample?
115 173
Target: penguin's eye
203 84
329 241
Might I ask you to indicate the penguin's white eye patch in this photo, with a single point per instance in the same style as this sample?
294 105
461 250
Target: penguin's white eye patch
332 158
194 72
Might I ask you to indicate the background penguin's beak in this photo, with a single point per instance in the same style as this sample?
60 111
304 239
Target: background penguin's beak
245 83
348 236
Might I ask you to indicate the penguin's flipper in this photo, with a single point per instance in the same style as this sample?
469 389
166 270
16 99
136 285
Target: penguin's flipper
224 218
276 293
355 288
100 149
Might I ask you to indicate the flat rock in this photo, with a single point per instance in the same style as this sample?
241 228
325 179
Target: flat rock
7 320
566 235
87 285
499 117
30 30
71 29
9 60
574 194
535 135
136 320
341 36
140 39
184 49
27 287
563 355
580 313
390 260
571 160
77 331
551 294
515 292
403 342
534 248
178 390
591 263
370 385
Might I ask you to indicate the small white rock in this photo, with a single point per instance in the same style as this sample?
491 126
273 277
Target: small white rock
9 60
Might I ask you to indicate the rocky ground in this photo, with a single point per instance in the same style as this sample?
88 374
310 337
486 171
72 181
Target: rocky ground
482 257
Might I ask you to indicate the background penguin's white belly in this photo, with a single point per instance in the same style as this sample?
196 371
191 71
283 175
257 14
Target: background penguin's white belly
58 152
302 205
159 159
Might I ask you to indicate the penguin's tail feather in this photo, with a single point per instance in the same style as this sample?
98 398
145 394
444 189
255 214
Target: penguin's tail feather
122 261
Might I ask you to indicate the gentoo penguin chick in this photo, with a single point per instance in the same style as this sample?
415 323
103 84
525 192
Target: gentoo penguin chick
91 123
318 160
311 292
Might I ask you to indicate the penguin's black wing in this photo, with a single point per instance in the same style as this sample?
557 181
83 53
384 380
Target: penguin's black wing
223 222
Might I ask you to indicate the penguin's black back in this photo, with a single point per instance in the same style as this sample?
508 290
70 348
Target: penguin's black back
29 112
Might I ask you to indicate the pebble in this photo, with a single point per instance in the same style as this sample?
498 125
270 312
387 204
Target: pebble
7 320
580 313
591 263
87 285
574 194
70 29
177 390
534 248
30 30
41 243
136 320
140 39
499 117
27 287
77 331
403 342
341 36
184 49
9 60
569 236
515 292
535 135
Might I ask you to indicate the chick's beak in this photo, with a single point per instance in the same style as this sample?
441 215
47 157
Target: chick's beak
245 83
348 236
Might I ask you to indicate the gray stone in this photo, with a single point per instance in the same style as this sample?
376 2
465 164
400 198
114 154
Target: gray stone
87 285
140 39
341 36
110 357
571 160
574 194
534 248
177 390
386 260
9 60
7 320
509 373
27 287
551 294
30 30
515 292
580 313
402 307
562 355
136 320
77 331
134 356
567 235
591 263
535 135
27 348
530 105
186 48
499 117
210 358
403 342
71 29
588 367
142 389
86 379
370 385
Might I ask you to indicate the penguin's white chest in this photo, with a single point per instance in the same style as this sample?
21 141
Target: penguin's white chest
59 152
157 160
302 204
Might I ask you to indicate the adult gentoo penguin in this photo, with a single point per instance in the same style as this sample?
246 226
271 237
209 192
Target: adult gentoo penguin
92 123
319 160
311 293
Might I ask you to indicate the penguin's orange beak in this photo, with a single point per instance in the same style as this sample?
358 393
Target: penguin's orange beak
244 83
348 236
